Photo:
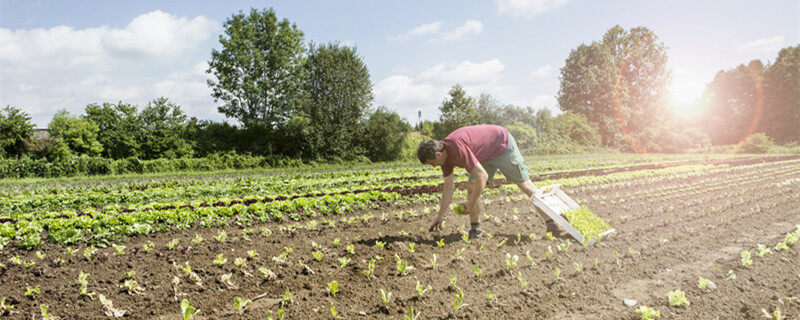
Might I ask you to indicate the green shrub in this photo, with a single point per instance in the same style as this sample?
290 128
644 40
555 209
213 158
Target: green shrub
757 143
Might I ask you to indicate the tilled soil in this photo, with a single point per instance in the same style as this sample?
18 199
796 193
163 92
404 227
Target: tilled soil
662 243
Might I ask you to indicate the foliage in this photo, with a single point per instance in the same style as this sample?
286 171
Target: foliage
648 313
458 110
120 128
79 135
677 298
384 135
618 83
15 129
163 126
524 134
588 224
258 72
757 143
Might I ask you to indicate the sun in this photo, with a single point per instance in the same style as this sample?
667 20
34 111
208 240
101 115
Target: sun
685 90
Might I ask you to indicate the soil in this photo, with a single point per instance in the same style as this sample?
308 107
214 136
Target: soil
668 234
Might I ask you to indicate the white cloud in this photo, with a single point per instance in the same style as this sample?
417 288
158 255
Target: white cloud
527 8
62 67
764 45
427 90
469 27
429 28
544 72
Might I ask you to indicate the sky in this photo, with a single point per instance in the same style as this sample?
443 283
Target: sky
66 54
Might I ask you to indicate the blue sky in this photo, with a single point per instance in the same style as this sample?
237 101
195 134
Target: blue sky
66 54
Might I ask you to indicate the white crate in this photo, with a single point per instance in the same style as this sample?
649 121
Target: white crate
554 202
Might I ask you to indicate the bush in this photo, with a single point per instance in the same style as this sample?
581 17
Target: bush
524 134
757 143
410 144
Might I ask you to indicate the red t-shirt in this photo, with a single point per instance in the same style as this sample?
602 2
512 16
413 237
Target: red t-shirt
468 146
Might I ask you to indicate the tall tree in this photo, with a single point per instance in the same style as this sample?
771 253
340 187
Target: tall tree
15 129
119 128
619 83
257 73
733 102
457 111
781 114
339 93
163 132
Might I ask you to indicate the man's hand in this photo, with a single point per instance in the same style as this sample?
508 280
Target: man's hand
437 224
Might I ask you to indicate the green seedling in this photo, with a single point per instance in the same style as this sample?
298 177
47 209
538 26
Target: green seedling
677 298
459 252
704 283
478 271
410 314
648 313
351 249
171 245
440 243
511 261
221 236
458 301
318 255
420 290
30 292
458 208
558 273
386 296
89 252
746 258
197 239
220 260
343 261
380 244
333 287
188 311
402 266
433 261
522 281
110 311
370 269
240 303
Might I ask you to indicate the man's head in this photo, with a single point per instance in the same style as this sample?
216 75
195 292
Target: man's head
431 152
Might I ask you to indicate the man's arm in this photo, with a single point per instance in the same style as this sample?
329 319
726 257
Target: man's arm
444 203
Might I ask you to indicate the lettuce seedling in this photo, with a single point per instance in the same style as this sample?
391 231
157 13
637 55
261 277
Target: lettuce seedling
440 243
433 261
648 313
746 258
221 236
420 290
197 238
318 255
762 250
522 281
240 303
109 310
402 266
380 244
171 245
478 271
411 315
132 287
458 301
220 260
188 312
351 249
458 208
370 269
89 252
343 261
118 250
704 283
333 287
30 292
677 298
459 252
386 296
267 273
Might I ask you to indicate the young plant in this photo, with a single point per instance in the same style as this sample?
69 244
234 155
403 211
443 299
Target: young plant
351 249
220 260
221 236
704 283
370 269
240 303
519 239
5 309
490 296
522 281
420 290
501 243
197 239
225 279
731 275
110 311
251 254
433 261
402 266
478 271
578 267
677 298
386 296
171 245
533 236
746 258
453 280
411 247
267 273
458 301
343 261
333 312
148 246
380 244
440 243
465 237
511 261
188 312
530 259
287 298
459 252
43 312
70 251
549 236
762 250
411 315
333 287
648 313
30 292
558 274
238 262
549 253
132 287
89 252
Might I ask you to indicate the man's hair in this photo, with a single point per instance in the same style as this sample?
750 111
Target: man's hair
428 148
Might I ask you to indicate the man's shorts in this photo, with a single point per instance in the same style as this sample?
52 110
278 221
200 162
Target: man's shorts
510 163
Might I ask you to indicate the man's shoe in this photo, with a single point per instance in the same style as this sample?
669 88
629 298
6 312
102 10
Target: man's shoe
475 233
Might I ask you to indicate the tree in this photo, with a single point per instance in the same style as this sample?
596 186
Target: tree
733 99
576 128
76 134
257 73
119 128
457 111
781 114
163 132
15 129
384 135
618 83
339 92
524 134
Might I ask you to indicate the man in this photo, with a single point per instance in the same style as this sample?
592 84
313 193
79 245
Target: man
481 150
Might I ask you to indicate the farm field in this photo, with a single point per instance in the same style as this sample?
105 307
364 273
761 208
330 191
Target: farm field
319 245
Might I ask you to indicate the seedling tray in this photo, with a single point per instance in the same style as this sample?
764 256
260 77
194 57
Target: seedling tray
554 202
